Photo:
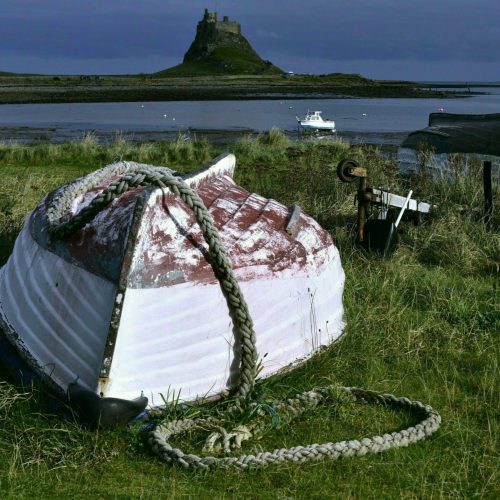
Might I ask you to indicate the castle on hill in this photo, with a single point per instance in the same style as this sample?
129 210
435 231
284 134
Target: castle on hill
220 48
212 34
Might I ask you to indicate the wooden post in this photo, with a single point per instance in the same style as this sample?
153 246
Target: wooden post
488 195
362 208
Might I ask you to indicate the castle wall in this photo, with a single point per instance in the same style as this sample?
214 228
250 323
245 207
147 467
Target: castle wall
212 18
229 27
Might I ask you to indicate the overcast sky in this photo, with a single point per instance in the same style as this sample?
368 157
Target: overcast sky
392 39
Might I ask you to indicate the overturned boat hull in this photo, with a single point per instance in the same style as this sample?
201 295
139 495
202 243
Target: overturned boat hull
472 135
130 303
458 133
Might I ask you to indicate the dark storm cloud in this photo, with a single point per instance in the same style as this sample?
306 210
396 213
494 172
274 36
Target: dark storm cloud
298 32
93 29
385 29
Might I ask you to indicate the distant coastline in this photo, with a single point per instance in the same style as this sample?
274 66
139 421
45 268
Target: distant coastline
461 83
21 89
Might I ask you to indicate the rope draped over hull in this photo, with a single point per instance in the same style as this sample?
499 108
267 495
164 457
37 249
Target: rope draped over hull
222 267
131 177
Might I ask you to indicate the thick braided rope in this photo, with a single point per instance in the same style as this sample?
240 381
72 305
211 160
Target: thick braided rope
429 423
142 175
164 178
65 197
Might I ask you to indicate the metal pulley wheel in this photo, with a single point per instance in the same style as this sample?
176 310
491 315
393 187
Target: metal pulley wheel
344 169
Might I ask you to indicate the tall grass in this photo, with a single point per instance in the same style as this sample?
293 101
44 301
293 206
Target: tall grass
90 154
423 323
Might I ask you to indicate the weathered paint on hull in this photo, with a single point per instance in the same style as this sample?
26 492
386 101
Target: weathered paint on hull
180 338
55 313
162 323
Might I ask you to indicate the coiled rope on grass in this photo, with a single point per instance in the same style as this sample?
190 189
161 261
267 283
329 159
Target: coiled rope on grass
430 421
136 175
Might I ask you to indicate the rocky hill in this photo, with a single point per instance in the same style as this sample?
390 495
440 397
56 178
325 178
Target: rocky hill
220 48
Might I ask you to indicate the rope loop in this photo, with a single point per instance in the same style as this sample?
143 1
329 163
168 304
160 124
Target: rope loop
159 438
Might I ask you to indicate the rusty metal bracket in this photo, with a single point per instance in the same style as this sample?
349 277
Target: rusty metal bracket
349 171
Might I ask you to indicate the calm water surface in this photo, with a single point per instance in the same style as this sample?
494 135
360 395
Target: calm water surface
359 120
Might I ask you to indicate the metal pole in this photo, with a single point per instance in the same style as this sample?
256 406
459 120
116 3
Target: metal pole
403 208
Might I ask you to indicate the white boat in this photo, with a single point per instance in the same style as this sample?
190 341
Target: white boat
129 304
313 120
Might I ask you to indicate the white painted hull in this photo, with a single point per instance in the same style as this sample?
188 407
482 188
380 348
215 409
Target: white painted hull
193 356
57 314
172 329
318 126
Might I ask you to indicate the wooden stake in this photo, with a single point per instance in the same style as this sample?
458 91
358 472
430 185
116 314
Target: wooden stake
488 195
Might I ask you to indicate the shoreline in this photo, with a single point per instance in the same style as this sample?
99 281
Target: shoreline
55 135
33 90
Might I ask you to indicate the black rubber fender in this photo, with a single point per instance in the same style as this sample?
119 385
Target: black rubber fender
103 412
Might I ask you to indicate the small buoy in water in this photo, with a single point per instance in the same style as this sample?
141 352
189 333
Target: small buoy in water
142 105
364 114
440 110
173 119
290 107
164 116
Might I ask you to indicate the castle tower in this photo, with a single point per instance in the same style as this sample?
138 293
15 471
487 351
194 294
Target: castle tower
212 33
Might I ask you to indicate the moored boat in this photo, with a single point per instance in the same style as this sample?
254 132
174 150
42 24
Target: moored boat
130 303
314 121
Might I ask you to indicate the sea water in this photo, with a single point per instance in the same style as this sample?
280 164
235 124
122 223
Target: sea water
372 120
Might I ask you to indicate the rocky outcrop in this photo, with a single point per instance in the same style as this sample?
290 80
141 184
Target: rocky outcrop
220 48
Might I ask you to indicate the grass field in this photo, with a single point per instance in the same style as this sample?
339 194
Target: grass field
423 324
